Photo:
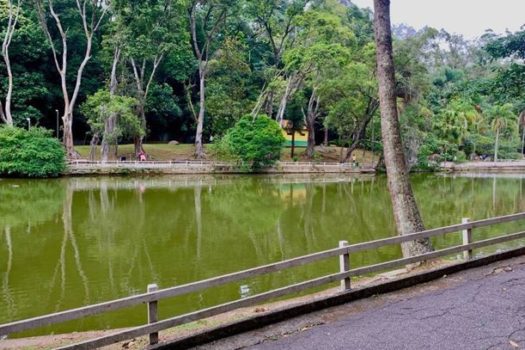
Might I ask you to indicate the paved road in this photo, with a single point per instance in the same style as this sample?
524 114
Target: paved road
483 308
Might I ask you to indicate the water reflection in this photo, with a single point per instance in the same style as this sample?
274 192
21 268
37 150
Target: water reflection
76 241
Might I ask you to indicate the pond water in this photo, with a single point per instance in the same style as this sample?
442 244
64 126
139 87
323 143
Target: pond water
69 242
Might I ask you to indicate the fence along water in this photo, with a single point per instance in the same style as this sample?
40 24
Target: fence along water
343 251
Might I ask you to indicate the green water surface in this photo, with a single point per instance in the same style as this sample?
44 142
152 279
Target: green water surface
70 242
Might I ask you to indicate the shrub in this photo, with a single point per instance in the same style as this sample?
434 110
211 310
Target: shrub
257 142
30 153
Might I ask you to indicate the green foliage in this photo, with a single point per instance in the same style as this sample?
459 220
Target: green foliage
27 51
229 86
257 142
100 106
30 153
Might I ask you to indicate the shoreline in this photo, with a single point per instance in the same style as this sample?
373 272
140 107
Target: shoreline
87 168
487 167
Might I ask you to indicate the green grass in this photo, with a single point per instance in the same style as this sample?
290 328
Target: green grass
165 152
154 151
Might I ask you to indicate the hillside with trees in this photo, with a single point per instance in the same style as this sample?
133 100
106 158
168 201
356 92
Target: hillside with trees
130 71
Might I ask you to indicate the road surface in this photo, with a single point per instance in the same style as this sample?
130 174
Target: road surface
482 308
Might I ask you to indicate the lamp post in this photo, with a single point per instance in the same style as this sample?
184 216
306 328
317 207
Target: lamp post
28 123
58 132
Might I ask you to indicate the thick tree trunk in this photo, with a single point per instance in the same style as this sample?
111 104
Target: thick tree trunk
199 147
67 138
93 146
111 123
406 213
139 140
310 146
108 137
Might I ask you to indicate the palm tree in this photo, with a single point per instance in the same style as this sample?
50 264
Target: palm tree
502 119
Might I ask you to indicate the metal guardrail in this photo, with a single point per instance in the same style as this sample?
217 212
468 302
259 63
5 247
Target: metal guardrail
344 275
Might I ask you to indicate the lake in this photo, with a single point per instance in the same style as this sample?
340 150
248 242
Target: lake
69 242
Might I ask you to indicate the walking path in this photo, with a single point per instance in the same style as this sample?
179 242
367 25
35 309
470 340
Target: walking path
482 308
479 166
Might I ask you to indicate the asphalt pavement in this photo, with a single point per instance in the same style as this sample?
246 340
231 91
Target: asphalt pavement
482 308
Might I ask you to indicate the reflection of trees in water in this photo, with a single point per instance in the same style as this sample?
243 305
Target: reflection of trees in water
116 231
111 241
445 200
29 202
6 290
24 204
251 210
69 237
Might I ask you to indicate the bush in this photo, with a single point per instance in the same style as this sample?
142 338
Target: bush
256 142
30 153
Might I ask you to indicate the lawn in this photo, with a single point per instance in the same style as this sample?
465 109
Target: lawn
165 152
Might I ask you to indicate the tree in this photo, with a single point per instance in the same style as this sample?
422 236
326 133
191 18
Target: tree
231 88
502 119
13 12
207 20
90 14
147 32
323 49
274 24
104 105
352 102
256 142
406 213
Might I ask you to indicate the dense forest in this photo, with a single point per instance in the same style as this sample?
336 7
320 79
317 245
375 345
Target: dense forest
106 71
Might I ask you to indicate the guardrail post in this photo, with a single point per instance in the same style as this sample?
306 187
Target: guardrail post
152 314
467 239
344 265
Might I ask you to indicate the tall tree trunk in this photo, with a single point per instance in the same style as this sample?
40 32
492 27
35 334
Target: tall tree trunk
522 141
93 146
143 87
496 146
311 116
90 24
325 141
199 147
67 138
13 14
111 123
406 213
310 145
138 140
293 144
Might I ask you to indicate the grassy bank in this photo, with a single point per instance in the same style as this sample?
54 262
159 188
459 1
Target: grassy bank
165 152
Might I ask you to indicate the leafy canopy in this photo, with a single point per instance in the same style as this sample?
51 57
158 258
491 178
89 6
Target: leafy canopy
30 153
256 142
